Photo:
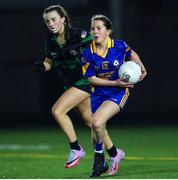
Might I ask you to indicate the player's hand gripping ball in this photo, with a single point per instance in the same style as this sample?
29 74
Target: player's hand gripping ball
130 72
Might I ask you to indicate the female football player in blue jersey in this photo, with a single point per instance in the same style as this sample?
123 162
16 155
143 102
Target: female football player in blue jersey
100 62
64 46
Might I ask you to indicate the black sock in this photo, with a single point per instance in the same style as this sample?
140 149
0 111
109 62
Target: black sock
112 152
75 145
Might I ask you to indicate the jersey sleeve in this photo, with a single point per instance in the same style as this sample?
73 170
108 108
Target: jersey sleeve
47 48
87 64
127 50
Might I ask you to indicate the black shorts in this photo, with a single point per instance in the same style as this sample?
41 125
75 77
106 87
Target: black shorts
86 88
82 84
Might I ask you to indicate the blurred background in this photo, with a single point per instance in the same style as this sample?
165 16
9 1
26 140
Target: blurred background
150 27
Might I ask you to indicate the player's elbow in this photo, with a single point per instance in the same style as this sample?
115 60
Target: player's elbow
92 80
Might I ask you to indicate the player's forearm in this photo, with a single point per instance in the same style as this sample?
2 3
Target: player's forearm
135 57
101 82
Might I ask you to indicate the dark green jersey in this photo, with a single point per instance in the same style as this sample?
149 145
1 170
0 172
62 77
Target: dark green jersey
66 57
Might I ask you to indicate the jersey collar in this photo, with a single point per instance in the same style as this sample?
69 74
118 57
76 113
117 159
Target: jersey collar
110 44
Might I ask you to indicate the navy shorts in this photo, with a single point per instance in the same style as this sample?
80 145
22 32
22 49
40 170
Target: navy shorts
119 98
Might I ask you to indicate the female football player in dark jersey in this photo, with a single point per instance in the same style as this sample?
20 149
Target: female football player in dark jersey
64 46
100 62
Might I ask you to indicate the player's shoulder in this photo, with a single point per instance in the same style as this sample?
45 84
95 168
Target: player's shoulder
119 43
87 53
87 50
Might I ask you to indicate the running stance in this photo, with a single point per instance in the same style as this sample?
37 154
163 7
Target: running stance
101 61
64 46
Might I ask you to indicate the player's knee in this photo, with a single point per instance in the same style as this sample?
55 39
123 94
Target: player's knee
96 125
54 111
57 112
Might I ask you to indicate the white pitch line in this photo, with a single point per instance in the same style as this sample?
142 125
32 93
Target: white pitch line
17 147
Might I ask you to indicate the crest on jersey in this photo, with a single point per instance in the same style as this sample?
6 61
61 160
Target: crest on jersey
116 62
83 34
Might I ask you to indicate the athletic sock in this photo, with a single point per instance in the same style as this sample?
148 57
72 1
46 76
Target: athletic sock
74 145
99 147
112 151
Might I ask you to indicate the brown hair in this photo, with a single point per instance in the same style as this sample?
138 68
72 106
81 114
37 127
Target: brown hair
106 21
61 11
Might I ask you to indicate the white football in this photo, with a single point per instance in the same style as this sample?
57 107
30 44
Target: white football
130 72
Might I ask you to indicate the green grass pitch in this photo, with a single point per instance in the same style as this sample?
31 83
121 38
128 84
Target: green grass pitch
151 152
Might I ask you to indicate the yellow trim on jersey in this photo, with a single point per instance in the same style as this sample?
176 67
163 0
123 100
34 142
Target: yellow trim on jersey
124 99
109 43
112 42
93 49
92 89
128 49
85 67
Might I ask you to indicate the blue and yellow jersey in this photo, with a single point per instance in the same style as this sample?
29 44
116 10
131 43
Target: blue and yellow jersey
105 66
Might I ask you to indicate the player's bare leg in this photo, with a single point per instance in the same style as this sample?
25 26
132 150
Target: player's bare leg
69 99
106 111
85 112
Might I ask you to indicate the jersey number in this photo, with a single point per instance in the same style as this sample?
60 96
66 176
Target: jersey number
105 66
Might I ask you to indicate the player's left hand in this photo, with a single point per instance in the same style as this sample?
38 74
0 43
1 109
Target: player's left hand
123 84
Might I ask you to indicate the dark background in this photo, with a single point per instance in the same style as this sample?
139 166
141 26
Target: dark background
150 27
